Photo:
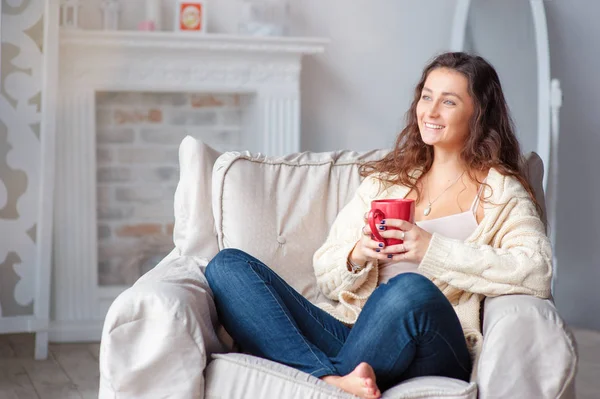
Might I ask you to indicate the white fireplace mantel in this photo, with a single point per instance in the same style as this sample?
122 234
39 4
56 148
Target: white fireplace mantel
159 61
268 68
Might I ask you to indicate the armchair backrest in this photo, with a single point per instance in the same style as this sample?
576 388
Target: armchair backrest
278 209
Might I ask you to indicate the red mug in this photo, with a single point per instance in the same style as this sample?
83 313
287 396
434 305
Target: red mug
390 209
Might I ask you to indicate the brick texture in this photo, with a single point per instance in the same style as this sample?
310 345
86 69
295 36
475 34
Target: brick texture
161 135
113 174
169 229
139 230
138 137
148 155
104 156
115 135
124 116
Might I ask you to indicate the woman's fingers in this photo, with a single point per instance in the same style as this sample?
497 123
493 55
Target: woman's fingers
397 223
372 249
396 249
393 233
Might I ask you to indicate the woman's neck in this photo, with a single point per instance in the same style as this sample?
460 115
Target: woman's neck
446 165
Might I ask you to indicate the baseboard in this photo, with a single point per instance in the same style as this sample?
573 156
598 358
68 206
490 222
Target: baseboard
21 324
70 331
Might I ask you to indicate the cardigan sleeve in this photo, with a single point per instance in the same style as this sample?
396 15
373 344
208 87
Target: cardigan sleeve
517 260
329 261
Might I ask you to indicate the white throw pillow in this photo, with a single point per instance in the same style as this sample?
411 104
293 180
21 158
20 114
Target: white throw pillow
194 232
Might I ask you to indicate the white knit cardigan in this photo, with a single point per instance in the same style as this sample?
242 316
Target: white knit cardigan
508 253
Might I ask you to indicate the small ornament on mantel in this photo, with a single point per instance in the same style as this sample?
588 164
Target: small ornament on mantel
190 16
69 13
110 10
153 13
264 17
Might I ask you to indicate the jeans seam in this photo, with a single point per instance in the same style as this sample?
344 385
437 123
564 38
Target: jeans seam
316 371
286 315
452 350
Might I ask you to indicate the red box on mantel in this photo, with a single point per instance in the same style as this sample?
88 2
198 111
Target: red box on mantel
191 15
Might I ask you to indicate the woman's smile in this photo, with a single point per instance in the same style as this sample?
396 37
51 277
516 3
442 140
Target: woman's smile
433 126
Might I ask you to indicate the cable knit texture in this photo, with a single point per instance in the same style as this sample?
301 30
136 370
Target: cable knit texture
508 253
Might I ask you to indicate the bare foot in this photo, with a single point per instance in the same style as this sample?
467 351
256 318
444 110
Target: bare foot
360 382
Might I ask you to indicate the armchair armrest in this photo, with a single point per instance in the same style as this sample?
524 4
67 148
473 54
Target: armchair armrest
528 352
159 333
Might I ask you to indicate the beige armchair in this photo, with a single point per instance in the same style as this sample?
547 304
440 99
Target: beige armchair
162 339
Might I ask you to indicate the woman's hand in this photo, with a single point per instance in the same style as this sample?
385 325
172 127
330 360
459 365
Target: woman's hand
367 249
416 241
413 249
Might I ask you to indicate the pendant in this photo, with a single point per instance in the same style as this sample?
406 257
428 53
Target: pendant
427 211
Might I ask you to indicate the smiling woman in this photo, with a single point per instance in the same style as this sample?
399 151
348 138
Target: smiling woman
418 298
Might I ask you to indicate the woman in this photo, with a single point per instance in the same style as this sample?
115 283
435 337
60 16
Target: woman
411 309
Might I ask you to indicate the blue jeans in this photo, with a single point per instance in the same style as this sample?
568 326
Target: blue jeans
406 329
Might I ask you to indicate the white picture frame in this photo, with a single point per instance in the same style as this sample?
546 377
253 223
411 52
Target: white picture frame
190 16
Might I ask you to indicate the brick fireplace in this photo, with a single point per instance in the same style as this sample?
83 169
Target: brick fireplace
137 137
125 101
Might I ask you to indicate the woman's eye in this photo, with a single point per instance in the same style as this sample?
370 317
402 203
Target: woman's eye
449 102
425 97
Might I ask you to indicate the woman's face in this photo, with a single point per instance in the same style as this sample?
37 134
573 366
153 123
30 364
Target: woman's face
445 109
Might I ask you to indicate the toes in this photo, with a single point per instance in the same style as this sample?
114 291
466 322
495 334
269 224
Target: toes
371 393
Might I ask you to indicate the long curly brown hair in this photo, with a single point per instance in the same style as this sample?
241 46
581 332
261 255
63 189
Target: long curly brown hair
492 142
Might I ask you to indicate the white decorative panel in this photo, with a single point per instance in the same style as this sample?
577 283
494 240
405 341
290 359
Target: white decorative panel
25 170
20 154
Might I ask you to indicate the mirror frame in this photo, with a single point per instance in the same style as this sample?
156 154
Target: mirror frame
457 43
549 103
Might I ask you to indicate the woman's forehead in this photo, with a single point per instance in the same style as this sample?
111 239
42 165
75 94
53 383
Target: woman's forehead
446 80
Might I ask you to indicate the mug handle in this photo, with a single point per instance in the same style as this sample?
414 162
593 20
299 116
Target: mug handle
373 214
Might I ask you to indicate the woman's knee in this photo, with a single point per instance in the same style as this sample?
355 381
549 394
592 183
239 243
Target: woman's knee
226 262
412 290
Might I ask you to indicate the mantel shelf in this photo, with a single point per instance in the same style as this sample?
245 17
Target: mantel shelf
193 41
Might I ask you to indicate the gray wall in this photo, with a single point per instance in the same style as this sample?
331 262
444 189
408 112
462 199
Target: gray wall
514 58
356 94
574 46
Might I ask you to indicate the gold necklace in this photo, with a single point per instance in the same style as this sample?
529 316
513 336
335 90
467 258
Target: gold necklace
427 210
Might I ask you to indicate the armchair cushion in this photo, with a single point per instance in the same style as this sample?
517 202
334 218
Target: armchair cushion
527 349
239 376
280 209
159 334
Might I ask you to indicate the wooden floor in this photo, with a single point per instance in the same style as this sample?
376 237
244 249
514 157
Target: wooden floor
71 370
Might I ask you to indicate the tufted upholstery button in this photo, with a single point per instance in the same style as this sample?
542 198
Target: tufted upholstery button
281 240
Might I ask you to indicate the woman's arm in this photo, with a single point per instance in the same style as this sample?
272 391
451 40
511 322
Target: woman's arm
330 260
518 261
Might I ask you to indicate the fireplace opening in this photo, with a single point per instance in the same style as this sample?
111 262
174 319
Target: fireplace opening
137 140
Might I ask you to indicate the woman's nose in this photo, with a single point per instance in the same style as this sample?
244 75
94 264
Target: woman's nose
433 110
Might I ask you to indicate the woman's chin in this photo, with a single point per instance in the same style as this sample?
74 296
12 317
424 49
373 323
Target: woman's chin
429 139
